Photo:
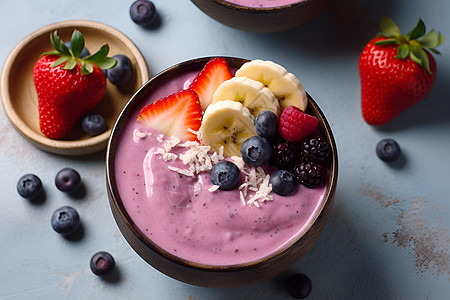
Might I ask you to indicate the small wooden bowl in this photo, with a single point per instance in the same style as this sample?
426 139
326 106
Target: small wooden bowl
257 19
19 95
195 273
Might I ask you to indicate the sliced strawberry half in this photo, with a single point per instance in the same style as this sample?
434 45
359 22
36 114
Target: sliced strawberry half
174 115
209 78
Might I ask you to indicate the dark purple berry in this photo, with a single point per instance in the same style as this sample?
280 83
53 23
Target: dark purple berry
315 149
102 263
65 220
283 182
122 73
284 155
388 150
68 180
29 186
143 13
93 124
309 174
225 174
256 151
299 286
266 125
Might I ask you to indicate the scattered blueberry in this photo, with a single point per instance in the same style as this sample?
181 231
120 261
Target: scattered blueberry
102 263
256 151
388 150
225 174
283 182
309 174
29 186
93 124
315 149
299 286
143 12
84 53
65 220
266 125
68 180
121 74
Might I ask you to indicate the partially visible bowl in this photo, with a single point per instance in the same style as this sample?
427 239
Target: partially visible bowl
262 19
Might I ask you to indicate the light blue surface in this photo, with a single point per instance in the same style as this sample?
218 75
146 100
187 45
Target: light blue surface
388 234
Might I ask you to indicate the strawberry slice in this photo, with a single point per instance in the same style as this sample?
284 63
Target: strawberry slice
174 114
209 78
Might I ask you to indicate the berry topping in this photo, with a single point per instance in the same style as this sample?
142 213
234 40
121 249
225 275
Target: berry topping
299 286
102 263
284 155
388 150
226 175
295 125
283 182
93 124
175 115
213 74
309 174
266 125
65 220
143 13
122 73
83 53
315 149
29 186
256 151
68 180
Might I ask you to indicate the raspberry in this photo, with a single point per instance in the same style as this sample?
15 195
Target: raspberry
284 155
309 174
315 149
295 125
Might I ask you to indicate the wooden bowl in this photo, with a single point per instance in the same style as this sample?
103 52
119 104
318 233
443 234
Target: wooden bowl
19 95
195 273
257 19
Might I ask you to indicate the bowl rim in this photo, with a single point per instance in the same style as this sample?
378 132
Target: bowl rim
244 8
130 107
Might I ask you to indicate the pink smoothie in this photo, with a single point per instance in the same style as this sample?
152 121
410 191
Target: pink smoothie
182 216
263 3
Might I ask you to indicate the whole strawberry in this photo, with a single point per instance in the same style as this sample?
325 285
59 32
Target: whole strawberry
68 86
396 71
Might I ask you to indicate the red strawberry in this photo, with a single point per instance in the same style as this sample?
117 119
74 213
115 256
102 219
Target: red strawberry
208 80
67 86
396 71
174 115
294 125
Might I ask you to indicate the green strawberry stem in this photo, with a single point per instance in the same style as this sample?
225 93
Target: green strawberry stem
410 45
71 57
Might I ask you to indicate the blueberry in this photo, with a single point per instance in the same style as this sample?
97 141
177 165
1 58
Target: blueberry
143 13
84 53
102 263
256 151
68 180
299 286
388 150
93 124
226 175
266 125
29 186
283 182
65 220
121 74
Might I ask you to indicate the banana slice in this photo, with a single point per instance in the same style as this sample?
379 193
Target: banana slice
284 85
250 93
226 123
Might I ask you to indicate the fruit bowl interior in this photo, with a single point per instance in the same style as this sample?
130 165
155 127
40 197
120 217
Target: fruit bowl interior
19 95
261 19
192 272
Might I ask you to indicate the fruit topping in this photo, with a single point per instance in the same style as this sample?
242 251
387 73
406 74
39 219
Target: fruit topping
29 186
309 174
102 263
83 53
295 125
284 155
68 180
388 150
122 73
283 182
213 74
266 125
299 286
65 220
256 151
93 124
315 149
143 12
177 115
225 174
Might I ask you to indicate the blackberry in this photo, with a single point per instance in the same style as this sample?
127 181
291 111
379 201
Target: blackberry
315 149
284 155
309 174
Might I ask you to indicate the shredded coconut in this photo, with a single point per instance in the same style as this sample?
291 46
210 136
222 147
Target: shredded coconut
138 135
213 188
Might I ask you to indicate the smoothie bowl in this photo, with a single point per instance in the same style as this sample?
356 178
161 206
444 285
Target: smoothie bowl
185 196
261 15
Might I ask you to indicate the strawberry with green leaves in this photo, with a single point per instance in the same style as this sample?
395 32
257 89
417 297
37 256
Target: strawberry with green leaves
68 86
396 71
